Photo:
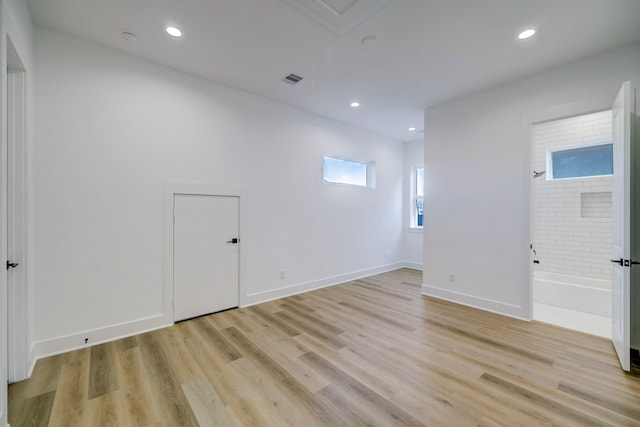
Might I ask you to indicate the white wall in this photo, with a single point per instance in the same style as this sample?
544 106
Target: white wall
111 129
571 217
477 212
413 157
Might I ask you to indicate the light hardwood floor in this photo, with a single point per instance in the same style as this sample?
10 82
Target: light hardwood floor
371 352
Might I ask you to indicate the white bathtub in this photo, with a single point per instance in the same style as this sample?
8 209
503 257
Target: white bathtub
572 292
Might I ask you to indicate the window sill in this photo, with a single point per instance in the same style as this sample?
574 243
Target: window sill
415 229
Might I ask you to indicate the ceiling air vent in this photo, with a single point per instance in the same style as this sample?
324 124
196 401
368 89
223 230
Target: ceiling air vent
292 79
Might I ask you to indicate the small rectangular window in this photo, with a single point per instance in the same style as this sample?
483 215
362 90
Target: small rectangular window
417 197
580 162
340 171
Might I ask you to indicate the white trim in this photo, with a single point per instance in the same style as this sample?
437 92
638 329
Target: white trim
75 341
509 310
339 22
31 363
413 265
172 188
63 344
287 291
3 220
16 232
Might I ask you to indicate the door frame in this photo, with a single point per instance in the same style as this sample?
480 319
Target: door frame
171 188
17 330
570 110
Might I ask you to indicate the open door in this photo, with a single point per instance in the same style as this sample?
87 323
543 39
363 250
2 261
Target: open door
622 136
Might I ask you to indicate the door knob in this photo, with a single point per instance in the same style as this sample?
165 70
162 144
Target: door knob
618 261
234 240
12 264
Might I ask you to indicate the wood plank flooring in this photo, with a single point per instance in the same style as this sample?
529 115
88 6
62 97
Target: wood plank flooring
371 352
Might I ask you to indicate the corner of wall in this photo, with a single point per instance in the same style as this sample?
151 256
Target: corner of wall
31 360
260 297
413 265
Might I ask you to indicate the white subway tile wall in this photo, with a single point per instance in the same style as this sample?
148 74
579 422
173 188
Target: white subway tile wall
596 205
571 218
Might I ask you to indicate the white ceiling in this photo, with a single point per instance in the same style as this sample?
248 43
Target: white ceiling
427 51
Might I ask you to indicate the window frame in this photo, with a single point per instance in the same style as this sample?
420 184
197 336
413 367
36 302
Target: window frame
370 171
551 150
413 198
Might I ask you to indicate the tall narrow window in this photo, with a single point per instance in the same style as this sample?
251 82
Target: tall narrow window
417 199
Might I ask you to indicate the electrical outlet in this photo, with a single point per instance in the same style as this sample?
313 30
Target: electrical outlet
452 277
283 274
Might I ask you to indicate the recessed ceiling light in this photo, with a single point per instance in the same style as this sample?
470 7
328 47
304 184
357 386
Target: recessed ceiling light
526 34
412 129
355 104
173 31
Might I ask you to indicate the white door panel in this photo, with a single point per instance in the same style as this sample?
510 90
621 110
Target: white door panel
621 215
205 261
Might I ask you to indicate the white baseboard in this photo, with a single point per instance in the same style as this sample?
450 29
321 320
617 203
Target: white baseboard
413 265
31 362
287 291
53 346
58 345
492 306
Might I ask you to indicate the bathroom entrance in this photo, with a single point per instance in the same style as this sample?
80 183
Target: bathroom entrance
572 161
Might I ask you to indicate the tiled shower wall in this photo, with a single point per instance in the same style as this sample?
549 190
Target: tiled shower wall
571 217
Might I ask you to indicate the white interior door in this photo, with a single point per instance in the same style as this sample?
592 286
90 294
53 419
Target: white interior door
3 283
16 226
205 254
621 213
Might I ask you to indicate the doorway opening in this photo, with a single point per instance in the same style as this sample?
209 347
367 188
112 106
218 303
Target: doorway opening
571 247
